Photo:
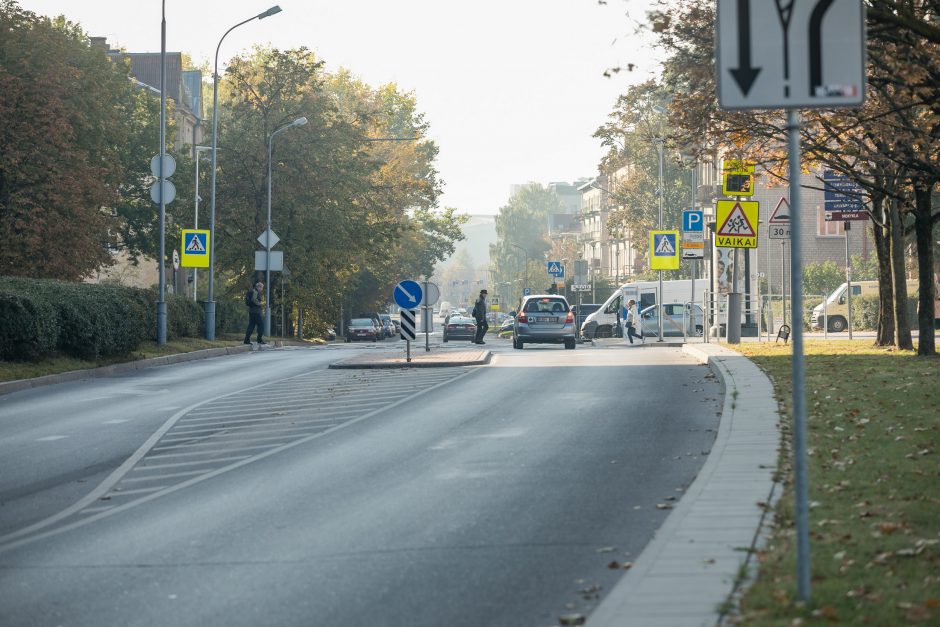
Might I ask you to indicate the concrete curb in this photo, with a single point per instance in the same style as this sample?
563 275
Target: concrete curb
9 387
375 365
701 554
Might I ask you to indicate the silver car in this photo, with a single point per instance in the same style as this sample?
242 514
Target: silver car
675 316
544 319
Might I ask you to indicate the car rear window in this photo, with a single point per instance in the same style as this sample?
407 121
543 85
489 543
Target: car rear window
361 322
546 305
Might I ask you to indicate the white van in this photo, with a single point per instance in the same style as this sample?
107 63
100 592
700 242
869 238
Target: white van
836 306
608 320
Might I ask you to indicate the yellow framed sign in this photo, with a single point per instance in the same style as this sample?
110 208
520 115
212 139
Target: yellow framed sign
736 223
195 250
664 250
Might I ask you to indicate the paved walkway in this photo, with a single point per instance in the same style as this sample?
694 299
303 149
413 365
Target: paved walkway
694 563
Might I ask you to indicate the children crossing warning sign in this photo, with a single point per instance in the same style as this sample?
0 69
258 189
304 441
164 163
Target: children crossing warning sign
737 224
665 250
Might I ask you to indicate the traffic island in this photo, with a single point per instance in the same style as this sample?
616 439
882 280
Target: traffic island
419 359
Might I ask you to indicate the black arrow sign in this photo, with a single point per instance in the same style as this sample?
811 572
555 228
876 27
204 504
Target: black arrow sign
745 74
815 46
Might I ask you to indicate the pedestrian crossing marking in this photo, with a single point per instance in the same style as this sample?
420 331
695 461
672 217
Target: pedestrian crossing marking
195 245
665 246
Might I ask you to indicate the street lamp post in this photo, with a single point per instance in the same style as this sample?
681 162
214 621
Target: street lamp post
210 300
660 192
526 253
198 150
269 233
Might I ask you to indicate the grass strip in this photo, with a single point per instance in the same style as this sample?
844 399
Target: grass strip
873 429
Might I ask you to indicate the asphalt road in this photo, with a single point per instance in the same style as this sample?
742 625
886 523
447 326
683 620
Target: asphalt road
263 489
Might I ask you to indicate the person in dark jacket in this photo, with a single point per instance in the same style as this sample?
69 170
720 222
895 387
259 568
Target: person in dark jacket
479 314
255 321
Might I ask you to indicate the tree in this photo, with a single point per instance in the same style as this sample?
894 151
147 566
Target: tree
521 229
70 116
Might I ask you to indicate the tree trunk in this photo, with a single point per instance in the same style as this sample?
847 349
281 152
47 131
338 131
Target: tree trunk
923 230
885 335
899 279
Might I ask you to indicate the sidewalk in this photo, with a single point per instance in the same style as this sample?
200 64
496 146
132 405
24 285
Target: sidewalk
700 555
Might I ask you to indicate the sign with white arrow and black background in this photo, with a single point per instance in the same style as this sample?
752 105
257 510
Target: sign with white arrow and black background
790 53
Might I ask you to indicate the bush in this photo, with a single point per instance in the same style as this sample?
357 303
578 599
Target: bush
231 316
30 328
865 312
185 318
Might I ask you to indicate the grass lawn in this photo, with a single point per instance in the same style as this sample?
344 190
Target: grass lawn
873 429
13 371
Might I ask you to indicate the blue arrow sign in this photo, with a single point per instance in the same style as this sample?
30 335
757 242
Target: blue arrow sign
408 294
693 220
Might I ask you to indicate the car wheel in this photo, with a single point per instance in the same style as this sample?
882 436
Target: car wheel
837 324
569 344
445 339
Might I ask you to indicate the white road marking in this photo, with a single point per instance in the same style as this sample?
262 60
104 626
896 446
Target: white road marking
50 438
116 422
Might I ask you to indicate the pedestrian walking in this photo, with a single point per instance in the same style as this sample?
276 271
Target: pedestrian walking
255 321
479 314
631 321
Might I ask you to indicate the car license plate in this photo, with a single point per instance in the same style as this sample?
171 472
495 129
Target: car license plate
545 320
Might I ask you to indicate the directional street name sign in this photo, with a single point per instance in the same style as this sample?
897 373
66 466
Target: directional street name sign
737 224
407 318
195 249
775 55
843 196
664 246
277 260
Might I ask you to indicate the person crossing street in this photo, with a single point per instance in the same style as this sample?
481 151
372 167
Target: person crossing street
479 314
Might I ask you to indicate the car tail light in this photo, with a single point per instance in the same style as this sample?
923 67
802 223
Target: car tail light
451 327
570 318
521 318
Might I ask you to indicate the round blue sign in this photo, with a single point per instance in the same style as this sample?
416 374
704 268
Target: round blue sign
408 294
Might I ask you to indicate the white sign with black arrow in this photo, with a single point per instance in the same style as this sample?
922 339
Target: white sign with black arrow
790 53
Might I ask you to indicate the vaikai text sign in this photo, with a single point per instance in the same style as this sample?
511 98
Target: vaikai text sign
736 224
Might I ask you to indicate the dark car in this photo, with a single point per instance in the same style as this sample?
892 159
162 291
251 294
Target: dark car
459 328
544 319
362 329
377 319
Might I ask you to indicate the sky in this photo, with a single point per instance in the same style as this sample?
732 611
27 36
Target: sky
512 89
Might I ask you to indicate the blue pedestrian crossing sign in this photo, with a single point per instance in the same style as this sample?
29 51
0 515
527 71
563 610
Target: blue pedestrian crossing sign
408 294
195 253
555 269
664 250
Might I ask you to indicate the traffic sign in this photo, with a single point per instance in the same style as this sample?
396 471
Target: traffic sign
843 195
526 291
737 220
581 287
408 294
779 223
775 55
277 260
195 249
431 295
556 269
664 250
169 166
176 260
693 221
169 192
407 319
268 234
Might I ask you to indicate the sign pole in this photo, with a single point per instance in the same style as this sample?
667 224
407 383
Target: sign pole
408 351
798 372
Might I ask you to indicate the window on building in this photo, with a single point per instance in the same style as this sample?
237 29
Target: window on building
827 228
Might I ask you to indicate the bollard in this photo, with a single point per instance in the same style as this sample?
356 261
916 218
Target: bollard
734 318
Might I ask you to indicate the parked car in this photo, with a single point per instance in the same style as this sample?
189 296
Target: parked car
674 317
459 328
388 326
362 329
377 319
544 319
505 329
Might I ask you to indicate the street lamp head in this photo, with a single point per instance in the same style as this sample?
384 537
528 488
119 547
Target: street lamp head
299 122
272 11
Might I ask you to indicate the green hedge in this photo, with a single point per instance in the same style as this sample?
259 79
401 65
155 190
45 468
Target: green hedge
865 312
44 317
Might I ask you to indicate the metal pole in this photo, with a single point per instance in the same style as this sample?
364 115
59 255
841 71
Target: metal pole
659 296
733 319
694 264
161 302
267 249
848 274
210 299
798 373
783 270
196 222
